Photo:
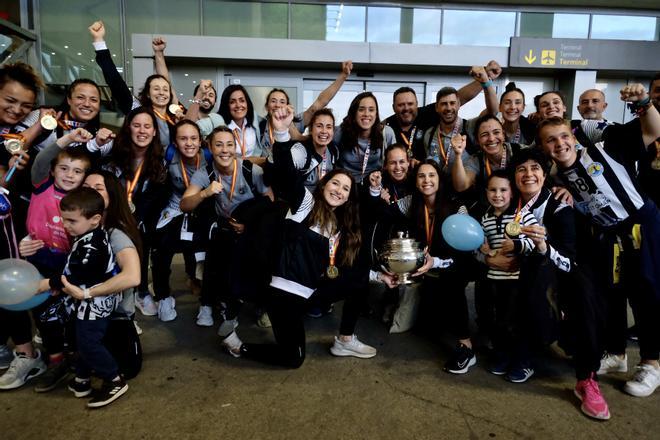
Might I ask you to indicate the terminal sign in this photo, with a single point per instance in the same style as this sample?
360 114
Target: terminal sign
556 53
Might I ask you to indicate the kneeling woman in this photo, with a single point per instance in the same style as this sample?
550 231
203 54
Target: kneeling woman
317 264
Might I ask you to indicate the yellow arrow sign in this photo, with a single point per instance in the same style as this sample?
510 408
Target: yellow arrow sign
530 58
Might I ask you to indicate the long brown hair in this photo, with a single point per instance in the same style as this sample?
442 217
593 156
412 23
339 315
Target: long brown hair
122 151
344 218
443 204
350 131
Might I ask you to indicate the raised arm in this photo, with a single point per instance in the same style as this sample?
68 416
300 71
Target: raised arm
480 76
158 44
649 118
469 91
326 95
460 177
118 87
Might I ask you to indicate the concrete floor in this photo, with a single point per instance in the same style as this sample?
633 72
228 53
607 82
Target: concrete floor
190 388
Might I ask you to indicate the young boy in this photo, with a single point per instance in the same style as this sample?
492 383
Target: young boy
502 224
603 181
55 172
90 262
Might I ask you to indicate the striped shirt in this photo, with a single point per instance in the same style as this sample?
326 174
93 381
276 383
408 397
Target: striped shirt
603 188
494 226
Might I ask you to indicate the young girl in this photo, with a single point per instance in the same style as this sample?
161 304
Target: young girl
517 128
502 224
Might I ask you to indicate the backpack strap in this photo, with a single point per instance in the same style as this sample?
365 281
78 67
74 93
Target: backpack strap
169 154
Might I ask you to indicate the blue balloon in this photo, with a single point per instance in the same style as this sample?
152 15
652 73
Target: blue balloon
31 303
462 232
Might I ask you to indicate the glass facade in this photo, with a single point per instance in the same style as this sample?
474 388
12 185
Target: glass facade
67 52
384 25
620 27
469 27
244 19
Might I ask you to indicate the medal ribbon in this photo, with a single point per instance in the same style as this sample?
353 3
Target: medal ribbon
428 227
502 162
184 173
410 141
322 168
657 150
333 244
271 138
19 136
130 187
233 180
241 143
164 117
441 146
517 136
365 159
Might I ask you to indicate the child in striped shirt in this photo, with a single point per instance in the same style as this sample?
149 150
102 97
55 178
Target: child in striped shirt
501 224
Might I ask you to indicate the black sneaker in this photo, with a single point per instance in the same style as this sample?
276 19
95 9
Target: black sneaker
80 387
461 360
54 375
108 393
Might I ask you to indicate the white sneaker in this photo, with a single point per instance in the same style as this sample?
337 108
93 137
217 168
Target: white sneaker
205 316
264 321
22 369
611 363
352 348
146 305
166 310
138 329
644 382
6 356
232 344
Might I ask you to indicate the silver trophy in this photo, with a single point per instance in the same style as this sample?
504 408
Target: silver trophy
402 256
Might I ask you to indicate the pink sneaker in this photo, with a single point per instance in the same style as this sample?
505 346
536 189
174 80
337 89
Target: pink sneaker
593 402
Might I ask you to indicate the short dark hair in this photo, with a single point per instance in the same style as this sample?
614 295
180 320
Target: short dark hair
321 112
534 154
446 91
404 89
537 99
87 200
73 154
504 173
216 130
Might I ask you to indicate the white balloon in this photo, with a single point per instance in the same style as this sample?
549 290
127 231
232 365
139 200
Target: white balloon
19 281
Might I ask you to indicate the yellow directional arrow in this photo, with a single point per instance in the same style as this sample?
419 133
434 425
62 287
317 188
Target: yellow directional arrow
530 58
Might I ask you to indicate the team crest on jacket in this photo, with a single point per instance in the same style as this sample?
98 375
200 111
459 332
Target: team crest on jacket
595 169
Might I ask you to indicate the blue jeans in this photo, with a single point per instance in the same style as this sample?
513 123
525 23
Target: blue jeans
93 354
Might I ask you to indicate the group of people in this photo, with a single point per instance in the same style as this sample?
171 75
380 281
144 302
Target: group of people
284 212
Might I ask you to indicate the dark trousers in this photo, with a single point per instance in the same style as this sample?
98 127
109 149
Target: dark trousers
232 271
633 287
287 315
146 237
445 295
546 292
15 325
508 319
167 242
94 356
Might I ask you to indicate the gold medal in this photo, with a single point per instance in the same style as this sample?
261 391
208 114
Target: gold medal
48 122
655 164
513 229
332 272
13 146
174 108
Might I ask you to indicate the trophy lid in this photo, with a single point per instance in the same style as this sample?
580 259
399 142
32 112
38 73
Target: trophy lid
402 244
